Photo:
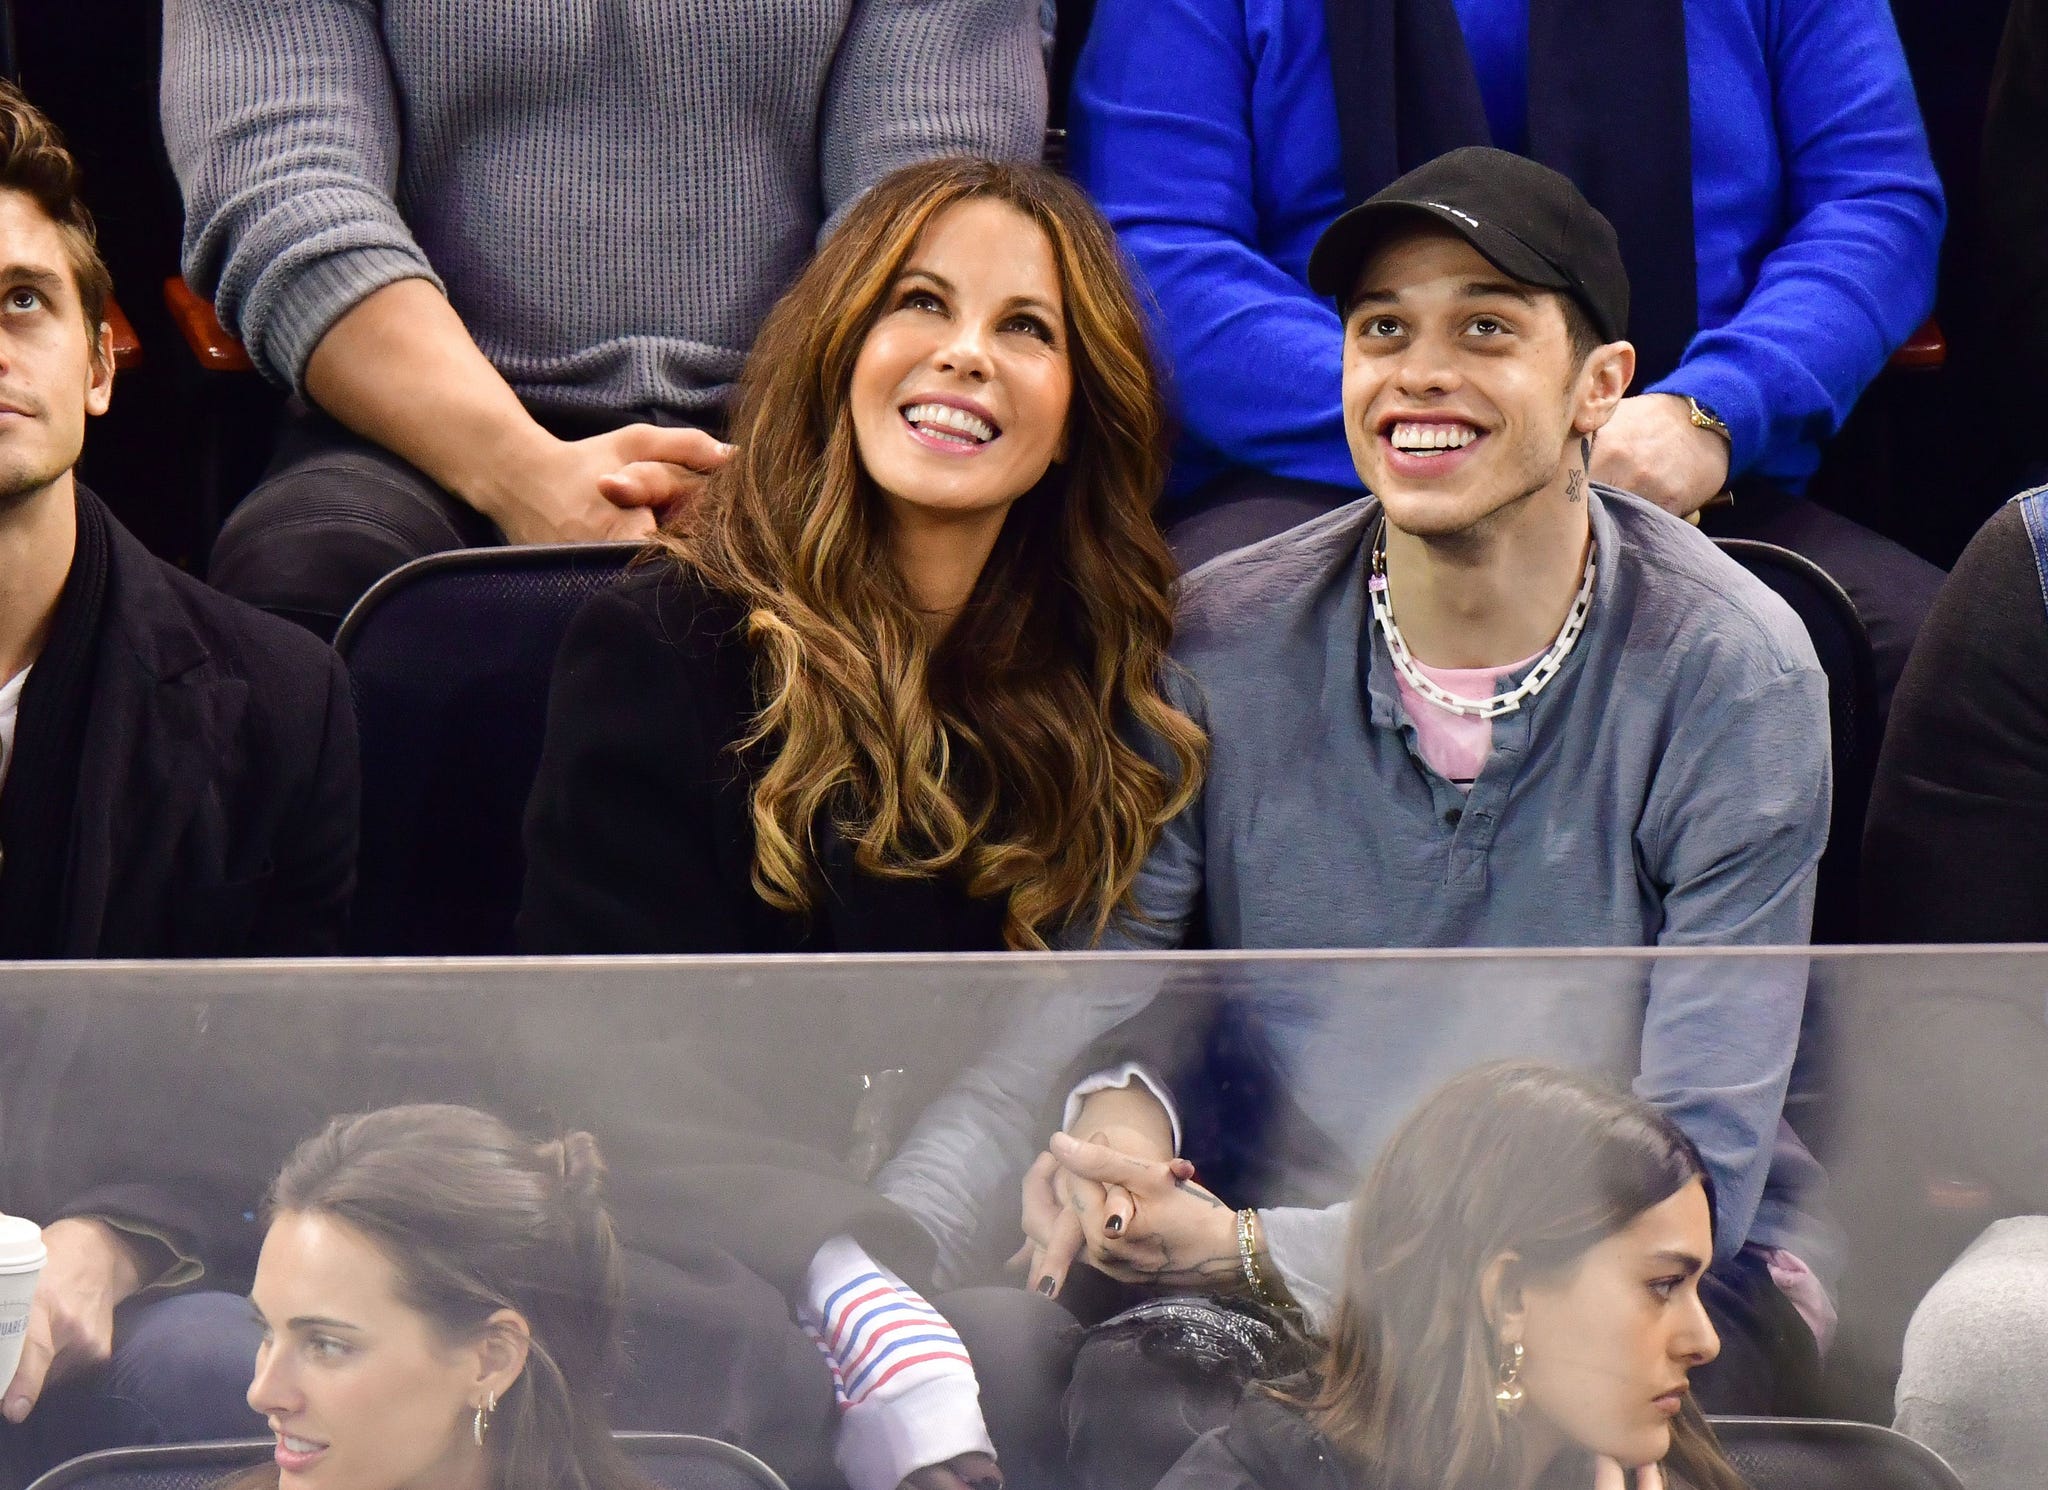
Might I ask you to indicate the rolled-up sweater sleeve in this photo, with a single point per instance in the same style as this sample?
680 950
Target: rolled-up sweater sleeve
282 122
916 79
1854 272
1162 139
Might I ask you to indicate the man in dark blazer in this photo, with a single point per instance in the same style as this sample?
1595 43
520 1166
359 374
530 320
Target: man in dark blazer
177 779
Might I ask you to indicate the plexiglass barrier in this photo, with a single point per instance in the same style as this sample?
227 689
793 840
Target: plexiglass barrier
1866 1118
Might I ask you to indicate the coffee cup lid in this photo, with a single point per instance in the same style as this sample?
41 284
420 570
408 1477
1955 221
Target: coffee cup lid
21 1245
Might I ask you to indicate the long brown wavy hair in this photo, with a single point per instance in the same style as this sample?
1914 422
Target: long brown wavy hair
1514 1156
1005 751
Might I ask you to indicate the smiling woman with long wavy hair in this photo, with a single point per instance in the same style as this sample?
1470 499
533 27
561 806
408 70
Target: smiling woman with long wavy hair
893 684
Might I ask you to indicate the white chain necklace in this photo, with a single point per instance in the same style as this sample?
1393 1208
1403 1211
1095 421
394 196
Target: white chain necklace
1532 684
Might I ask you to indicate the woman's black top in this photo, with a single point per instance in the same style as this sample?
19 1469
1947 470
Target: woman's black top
1957 844
639 835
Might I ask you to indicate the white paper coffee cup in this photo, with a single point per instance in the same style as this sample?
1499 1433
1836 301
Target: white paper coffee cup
21 1263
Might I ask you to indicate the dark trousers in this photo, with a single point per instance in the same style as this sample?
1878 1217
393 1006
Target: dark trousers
1072 1409
333 515
1893 589
180 1374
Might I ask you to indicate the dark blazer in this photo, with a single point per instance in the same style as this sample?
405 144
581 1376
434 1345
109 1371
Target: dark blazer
217 795
639 834
216 816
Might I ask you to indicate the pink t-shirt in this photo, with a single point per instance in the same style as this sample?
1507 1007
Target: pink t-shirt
1455 746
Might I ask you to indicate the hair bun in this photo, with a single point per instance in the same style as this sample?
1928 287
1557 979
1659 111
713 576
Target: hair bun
579 1167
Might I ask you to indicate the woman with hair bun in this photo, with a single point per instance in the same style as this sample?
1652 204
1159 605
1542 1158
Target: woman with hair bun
440 1307
1520 1311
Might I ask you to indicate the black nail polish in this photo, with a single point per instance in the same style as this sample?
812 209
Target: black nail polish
1047 1287
1114 1226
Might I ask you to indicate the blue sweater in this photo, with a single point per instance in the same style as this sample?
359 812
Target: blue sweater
1207 129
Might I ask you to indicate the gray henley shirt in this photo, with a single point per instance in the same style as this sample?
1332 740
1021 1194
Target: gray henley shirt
1669 788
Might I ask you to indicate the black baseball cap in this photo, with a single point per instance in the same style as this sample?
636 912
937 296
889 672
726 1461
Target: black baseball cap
1530 222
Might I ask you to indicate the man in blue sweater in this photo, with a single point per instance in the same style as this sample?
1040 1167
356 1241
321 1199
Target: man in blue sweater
1763 160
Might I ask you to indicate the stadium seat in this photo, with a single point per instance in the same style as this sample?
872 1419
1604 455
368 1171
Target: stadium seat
212 345
1844 647
449 660
1823 1454
127 345
674 1461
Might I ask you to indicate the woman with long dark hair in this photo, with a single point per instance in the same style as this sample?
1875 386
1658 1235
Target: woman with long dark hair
1520 1309
880 688
440 1307
893 684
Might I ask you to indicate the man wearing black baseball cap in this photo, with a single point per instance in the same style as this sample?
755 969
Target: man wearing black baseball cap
1530 222
1491 705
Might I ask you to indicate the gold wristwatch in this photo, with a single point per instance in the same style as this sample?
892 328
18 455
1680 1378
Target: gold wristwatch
1705 418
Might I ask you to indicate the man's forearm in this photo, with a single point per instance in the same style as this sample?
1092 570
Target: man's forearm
401 369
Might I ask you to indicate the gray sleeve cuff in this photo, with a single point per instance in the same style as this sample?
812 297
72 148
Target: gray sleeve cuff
297 299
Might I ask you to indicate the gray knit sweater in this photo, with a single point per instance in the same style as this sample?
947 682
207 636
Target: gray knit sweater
611 192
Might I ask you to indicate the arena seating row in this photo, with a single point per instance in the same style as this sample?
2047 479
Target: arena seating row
1772 1453
183 442
673 1461
449 660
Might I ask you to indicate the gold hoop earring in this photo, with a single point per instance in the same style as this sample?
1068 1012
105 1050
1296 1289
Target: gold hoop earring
1508 1396
481 1423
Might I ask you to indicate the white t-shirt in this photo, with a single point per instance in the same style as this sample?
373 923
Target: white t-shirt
10 711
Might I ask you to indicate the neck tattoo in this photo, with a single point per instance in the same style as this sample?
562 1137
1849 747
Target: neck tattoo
1575 481
1533 682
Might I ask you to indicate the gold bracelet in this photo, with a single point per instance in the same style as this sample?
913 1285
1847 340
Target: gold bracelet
1248 1256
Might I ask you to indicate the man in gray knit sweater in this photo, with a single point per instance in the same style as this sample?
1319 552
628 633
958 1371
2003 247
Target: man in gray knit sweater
511 256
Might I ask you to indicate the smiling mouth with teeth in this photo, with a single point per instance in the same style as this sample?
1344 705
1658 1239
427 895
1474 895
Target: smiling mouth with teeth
1429 439
944 422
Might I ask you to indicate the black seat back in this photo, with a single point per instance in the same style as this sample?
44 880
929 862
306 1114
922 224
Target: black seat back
1822 1454
449 660
1843 644
673 1461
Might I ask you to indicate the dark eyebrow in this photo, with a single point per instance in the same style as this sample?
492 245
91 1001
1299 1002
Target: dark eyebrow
322 1322
30 274
1015 302
1683 1260
1478 289
306 1321
1506 289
